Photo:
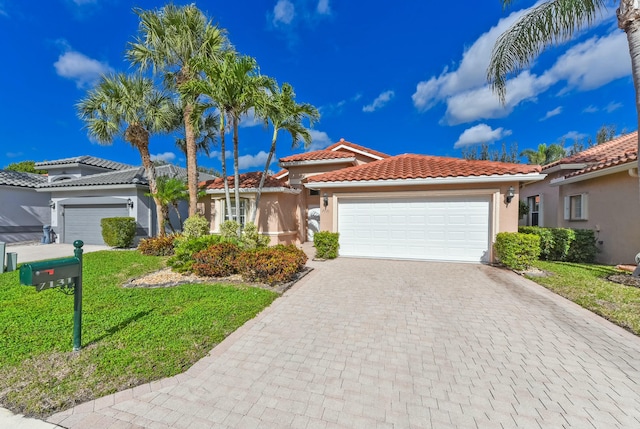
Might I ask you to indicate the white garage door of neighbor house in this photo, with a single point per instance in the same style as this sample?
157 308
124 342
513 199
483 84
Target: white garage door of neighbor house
439 229
83 222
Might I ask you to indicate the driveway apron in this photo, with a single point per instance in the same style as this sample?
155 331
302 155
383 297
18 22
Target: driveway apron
397 344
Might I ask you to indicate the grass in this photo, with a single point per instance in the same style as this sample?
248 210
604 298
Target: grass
129 336
587 286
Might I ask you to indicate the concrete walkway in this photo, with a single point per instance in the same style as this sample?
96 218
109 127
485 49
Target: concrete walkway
39 252
396 344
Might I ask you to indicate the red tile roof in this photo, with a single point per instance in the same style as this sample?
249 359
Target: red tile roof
339 146
621 150
316 155
410 166
247 181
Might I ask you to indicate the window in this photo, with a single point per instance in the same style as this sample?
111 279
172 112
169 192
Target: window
240 219
534 210
575 207
313 192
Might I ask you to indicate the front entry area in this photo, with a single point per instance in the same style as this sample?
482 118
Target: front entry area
425 228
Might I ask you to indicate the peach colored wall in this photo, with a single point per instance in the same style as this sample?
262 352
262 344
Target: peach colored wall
549 195
613 206
507 215
300 172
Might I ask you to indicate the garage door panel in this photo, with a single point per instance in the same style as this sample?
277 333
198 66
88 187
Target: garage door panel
82 222
454 228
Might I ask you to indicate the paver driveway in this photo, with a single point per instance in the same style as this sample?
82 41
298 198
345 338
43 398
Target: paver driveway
398 344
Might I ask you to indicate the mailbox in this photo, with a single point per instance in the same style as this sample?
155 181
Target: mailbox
50 274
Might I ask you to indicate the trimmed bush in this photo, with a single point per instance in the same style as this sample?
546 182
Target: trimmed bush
185 248
516 250
272 265
195 226
562 238
118 231
326 244
546 239
583 247
157 246
229 229
217 260
251 239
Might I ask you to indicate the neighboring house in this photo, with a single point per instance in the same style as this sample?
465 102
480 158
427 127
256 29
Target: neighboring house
23 212
84 190
593 189
405 206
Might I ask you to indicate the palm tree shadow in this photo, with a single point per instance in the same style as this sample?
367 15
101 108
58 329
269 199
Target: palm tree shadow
119 326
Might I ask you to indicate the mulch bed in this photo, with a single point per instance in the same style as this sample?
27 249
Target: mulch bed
168 278
625 279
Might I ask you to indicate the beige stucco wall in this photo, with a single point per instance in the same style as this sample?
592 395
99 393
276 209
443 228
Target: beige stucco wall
299 172
614 209
503 217
549 210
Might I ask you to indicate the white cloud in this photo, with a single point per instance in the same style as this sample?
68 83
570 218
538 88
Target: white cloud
380 101
283 12
590 109
481 133
552 113
252 161
587 65
574 135
216 154
250 120
319 140
612 107
83 2
13 154
323 7
78 67
166 156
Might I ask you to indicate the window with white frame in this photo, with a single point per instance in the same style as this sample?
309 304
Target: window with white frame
576 207
242 216
534 204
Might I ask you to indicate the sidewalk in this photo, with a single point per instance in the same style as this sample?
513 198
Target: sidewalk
18 421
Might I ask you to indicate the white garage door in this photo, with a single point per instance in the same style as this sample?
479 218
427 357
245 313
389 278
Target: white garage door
83 222
440 229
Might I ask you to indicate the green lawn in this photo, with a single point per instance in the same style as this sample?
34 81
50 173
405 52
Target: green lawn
129 336
586 285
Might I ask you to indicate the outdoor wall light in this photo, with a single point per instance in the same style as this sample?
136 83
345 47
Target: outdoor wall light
52 204
325 200
129 203
510 194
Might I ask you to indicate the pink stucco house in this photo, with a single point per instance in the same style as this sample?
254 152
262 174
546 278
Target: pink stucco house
405 206
593 189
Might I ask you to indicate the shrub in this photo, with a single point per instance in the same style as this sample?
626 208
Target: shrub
523 209
118 231
272 265
562 238
195 226
229 229
516 250
546 239
326 244
217 260
185 248
251 239
157 246
583 247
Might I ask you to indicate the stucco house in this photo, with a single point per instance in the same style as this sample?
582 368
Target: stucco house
75 195
406 206
23 212
594 189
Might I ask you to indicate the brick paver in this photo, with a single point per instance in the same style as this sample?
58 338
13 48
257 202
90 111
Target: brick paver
399 344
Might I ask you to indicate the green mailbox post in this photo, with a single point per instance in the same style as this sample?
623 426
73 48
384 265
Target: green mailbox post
64 272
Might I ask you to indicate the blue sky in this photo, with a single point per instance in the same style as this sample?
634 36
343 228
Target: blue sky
402 77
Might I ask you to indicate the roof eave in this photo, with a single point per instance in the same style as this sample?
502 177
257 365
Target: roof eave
531 177
353 149
318 162
255 190
560 167
92 187
559 181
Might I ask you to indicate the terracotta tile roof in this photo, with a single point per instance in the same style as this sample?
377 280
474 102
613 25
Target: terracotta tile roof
280 174
247 181
619 150
343 142
410 166
316 155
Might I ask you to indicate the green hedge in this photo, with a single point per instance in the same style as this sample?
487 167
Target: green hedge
118 231
326 244
564 244
516 250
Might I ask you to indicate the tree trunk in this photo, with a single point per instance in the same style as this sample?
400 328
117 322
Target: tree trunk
236 173
629 21
192 161
224 167
264 173
150 169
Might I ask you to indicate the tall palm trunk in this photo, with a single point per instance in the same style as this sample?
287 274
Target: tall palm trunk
150 170
224 166
272 151
192 161
629 21
236 173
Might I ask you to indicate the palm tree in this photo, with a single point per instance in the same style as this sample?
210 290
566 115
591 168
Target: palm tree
170 191
553 22
544 154
132 108
281 109
171 40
